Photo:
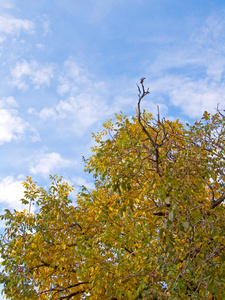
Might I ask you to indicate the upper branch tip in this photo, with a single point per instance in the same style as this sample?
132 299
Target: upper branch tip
142 79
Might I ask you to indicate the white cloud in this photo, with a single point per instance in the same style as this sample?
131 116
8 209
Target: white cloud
25 72
81 111
202 52
12 126
79 181
47 113
72 77
6 4
45 163
11 191
196 97
46 26
193 97
8 102
13 26
191 76
211 32
86 100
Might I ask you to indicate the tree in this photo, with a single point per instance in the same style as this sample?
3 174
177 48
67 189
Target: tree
153 227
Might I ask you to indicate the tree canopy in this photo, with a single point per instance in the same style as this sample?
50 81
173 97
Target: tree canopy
152 228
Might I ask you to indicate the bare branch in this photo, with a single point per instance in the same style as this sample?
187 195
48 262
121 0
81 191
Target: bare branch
219 111
141 95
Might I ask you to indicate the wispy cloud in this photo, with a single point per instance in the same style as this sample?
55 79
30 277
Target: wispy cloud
44 163
6 4
196 97
73 77
93 12
13 26
25 73
46 25
86 100
191 76
81 111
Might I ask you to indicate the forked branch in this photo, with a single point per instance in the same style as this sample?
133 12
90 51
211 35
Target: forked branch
141 94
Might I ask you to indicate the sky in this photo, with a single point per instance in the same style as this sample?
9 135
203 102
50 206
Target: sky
67 66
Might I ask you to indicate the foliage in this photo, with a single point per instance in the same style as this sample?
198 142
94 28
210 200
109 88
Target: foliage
153 227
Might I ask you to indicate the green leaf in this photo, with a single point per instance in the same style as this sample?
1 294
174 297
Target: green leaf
186 225
171 216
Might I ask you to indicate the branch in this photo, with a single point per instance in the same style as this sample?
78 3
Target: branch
62 289
217 202
73 294
160 214
219 111
141 95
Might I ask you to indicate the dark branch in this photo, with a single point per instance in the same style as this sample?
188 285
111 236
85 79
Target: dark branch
73 294
217 202
160 214
141 95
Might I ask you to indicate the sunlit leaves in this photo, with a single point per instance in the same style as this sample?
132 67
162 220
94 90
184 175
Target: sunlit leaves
146 231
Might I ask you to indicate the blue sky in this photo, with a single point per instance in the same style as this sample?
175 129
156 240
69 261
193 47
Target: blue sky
67 66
